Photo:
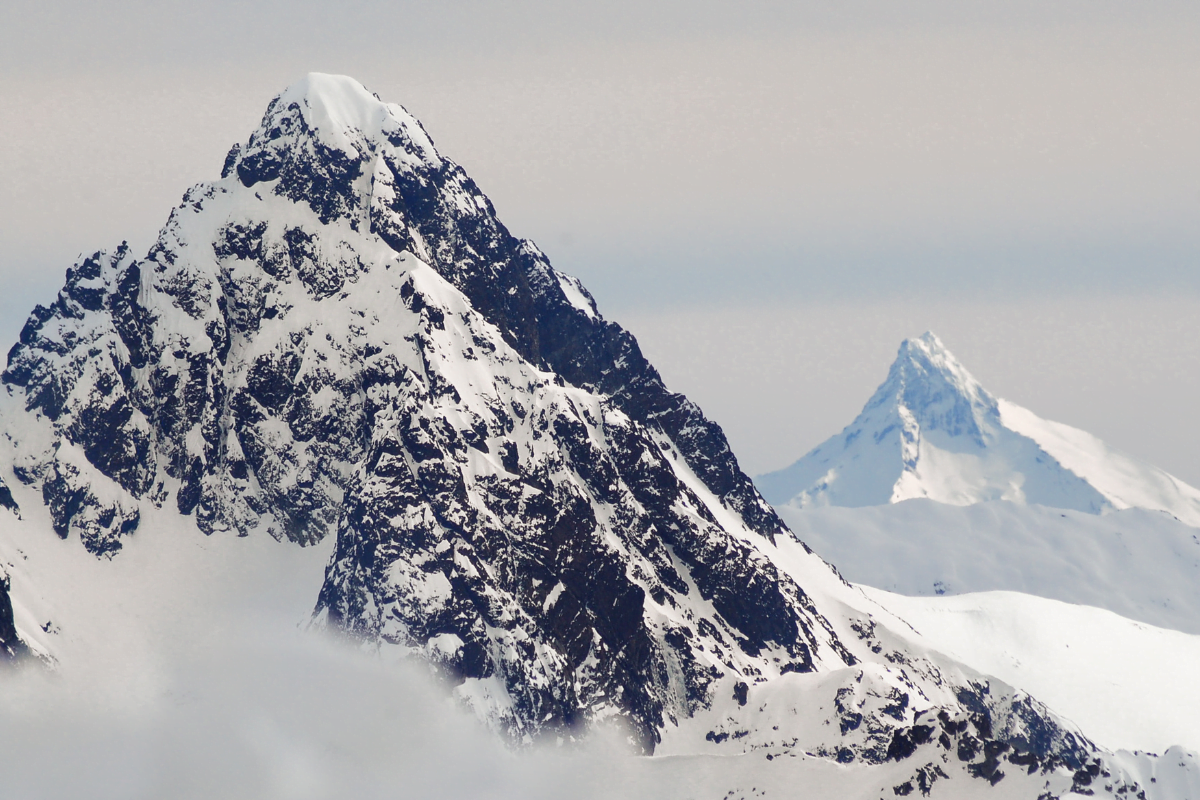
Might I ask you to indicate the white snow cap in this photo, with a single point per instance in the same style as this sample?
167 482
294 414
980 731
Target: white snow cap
931 430
927 352
343 112
930 383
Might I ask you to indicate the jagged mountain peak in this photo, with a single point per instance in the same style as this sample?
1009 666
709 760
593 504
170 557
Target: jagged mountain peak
927 386
340 110
328 141
339 339
932 430
339 113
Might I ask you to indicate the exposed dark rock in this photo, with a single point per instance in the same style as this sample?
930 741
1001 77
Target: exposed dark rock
11 646
6 499
989 768
905 741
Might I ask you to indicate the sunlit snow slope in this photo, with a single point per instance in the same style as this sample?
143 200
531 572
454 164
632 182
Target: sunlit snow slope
1130 685
931 430
1141 564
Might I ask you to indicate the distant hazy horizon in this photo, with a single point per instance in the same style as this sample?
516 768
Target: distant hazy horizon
770 196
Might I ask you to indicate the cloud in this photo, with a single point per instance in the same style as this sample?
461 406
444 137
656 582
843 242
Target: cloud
288 716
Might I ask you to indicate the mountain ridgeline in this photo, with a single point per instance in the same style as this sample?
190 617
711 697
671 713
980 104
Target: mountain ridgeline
339 338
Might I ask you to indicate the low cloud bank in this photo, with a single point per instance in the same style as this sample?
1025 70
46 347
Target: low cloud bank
296 718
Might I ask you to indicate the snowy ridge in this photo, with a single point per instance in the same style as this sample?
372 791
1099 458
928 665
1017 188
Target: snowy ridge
1130 685
337 348
931 430
1124 481
1143 565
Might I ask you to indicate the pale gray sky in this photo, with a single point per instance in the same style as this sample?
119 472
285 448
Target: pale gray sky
771 195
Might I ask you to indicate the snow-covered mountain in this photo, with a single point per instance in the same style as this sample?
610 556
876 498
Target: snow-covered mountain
931 430
337 348
340 338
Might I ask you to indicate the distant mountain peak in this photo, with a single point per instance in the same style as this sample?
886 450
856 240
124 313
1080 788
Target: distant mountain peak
929 388
932 430
925 360
927 344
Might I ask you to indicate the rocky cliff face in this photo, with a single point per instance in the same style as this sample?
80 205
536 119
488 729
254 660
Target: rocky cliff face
339 338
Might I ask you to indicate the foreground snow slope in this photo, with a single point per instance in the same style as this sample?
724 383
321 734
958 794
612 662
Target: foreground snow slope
1130 685
1141 564
931 430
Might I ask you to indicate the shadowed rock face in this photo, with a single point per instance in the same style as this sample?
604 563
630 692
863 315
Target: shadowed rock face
340 338
6 499
11 646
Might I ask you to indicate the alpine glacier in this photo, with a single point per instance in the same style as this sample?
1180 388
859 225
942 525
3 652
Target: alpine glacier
337 349
931 430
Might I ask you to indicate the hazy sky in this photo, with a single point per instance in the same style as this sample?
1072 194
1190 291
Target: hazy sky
770 195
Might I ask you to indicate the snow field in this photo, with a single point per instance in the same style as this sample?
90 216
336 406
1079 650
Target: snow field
1127 684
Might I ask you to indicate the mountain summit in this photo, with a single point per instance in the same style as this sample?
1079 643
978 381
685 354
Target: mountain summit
931 430
340 339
